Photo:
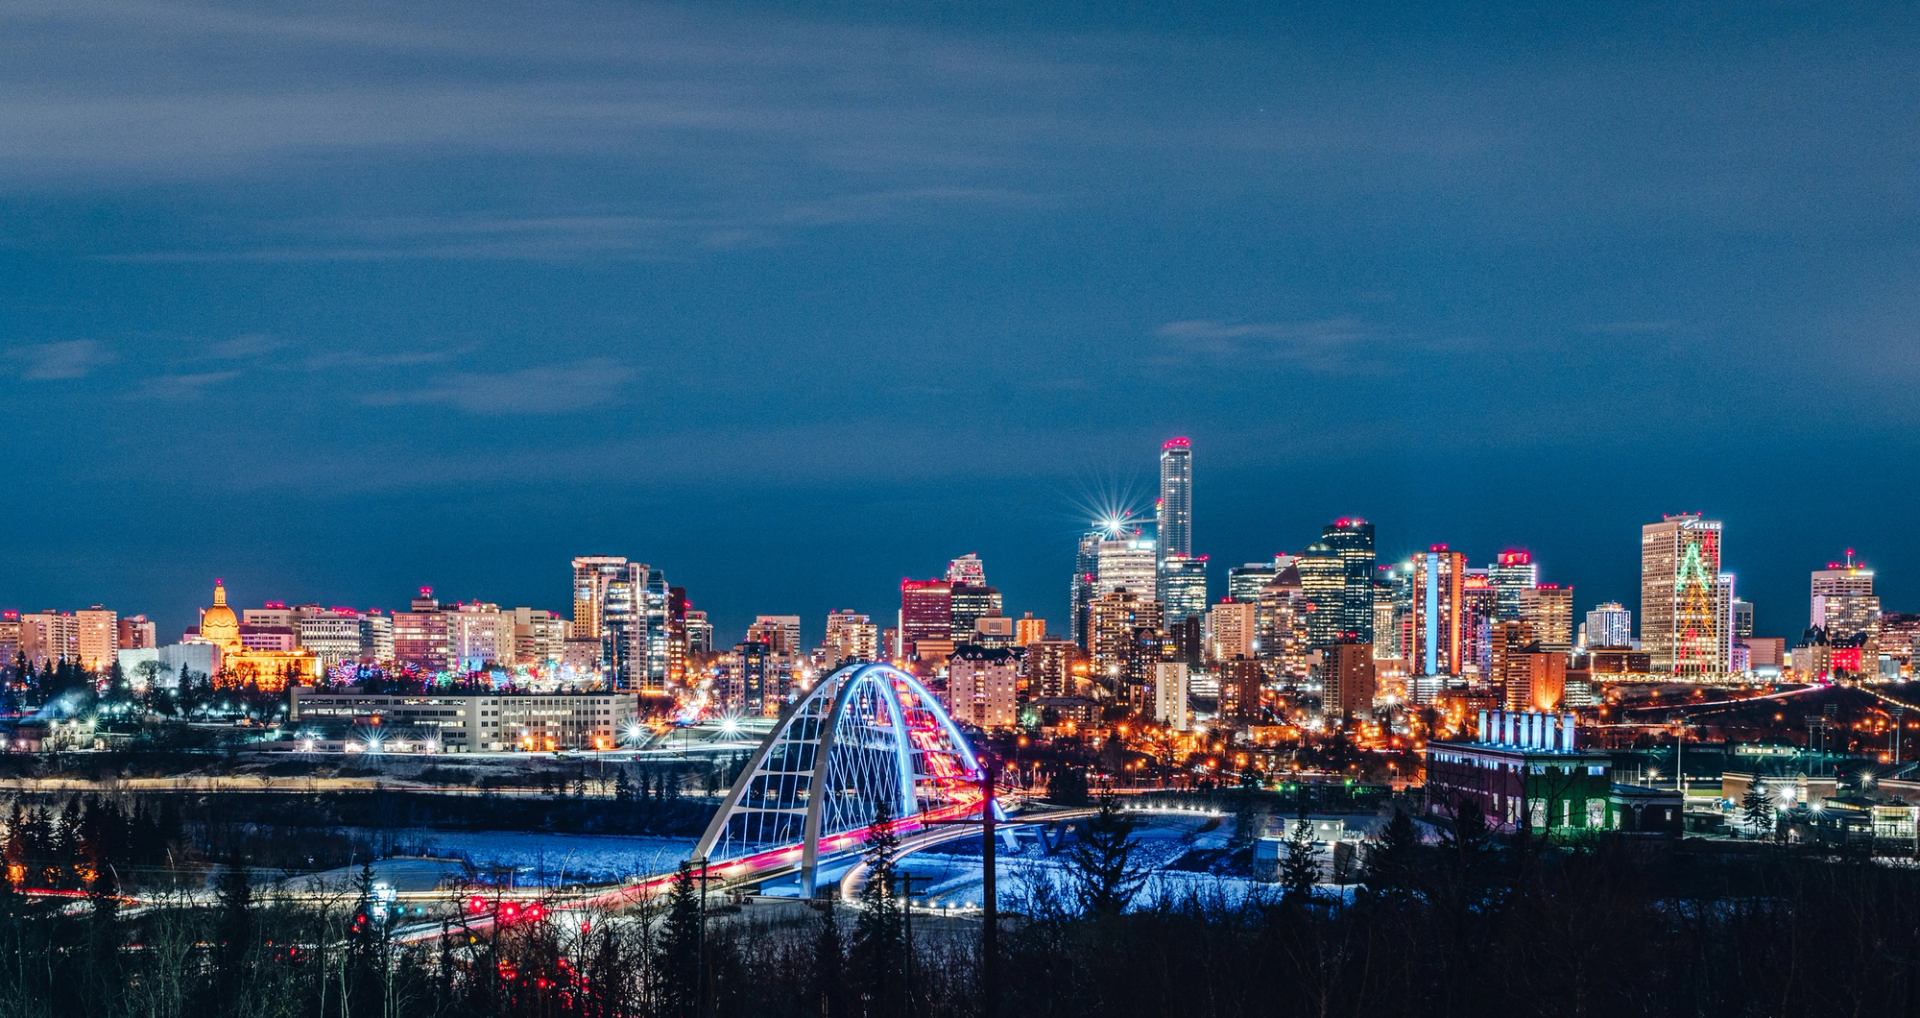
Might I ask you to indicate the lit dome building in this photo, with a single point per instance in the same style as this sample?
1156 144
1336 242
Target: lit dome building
238 665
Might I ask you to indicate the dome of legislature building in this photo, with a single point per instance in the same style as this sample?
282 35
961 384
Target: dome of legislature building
239 665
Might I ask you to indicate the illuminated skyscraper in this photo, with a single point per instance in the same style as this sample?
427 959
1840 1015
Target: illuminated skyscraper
1844 603
1127 563
1231 631
1548 608
1610 625
926 614
1244 583
1476 620
1439 602
1183 587
591 574
970 604
851 636
1352 540
1323 584
1086 565
1512 572
1682 627
99 638
1176 498
967 570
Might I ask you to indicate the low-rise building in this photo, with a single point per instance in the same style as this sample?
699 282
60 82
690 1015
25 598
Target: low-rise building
481 722
1523 768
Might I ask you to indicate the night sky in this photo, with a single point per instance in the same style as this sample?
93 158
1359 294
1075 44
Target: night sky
339 302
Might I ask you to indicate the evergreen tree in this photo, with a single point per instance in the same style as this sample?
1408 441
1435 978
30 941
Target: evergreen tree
878 956
234 940
678 959
1756 808
1392 858
829 967
1101 863
1300 869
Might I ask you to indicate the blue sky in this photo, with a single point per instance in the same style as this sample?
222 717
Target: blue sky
338 301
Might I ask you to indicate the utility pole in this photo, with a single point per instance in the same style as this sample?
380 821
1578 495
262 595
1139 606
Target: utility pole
989 893
701 873
1897 712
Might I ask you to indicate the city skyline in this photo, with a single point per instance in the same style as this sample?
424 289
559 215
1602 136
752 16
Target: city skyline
1437 272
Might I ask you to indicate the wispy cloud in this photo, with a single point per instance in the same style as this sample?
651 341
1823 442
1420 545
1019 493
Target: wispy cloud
182 388
1306 341
547 389
67 359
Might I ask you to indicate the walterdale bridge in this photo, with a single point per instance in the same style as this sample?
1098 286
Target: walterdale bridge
867 737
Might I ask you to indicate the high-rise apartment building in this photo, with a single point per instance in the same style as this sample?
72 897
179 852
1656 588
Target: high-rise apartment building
1175 531
781 633
137 632
1683 619
49 636
1112 619
851 636
99 637
1352 540
1028 630
420 634
981 686
1610 625
1055 668
479 636
1348 680
332 635
1168 696
1439 603
1231 631
591 575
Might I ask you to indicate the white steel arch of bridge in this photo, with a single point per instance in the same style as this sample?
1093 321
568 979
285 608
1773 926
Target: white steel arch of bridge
865 734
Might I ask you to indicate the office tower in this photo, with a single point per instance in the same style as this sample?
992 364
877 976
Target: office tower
1028 630
967 570
699 632
1127 563
1439 602
1548 608
1175 531
1535 679
376 638
1086 566
1396 586
1610 625
137 632
50 637
969 605
1231 631
981 686
851 636
1352 540
655 614
1844 603
781 633
1183 587
1742 619
1169 695
1682 627
751 686
1349 680
1244 583
1506 640
99 637
678 652
1512 571
926 616
1476 619
1323 582
591 575
332 635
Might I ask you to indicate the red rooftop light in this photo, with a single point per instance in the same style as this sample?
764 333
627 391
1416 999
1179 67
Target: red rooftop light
1180 442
